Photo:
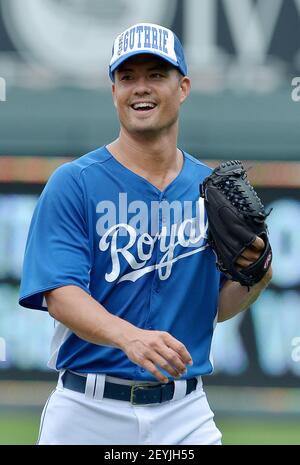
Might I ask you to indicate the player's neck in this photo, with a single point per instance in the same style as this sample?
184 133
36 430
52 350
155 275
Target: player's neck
159 163
157 159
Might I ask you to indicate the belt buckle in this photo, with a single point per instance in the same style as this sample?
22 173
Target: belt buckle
134 388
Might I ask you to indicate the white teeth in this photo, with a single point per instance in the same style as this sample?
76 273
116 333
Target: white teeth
137 106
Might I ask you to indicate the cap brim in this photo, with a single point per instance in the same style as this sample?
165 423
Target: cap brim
124 58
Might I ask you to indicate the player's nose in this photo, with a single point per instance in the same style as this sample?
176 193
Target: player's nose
142 87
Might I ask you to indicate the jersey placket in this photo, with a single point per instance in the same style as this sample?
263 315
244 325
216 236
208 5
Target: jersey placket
157 282
154 302
161 222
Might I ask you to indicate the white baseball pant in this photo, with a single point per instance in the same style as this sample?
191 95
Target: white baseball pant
71 418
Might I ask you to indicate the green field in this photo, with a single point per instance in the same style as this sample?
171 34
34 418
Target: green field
260 432
23 429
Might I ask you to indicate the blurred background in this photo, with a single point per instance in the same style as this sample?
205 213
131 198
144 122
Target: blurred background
55 105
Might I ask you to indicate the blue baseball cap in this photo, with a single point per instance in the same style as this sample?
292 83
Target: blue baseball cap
148 38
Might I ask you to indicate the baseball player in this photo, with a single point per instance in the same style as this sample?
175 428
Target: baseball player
117 253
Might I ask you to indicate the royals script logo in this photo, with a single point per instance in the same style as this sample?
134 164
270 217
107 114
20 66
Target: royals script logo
175 242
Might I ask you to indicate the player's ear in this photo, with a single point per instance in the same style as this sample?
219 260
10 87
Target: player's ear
113 91
185 88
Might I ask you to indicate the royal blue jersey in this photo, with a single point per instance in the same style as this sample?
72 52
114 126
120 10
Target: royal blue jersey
140 252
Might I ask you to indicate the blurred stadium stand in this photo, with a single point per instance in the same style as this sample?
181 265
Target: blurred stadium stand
59 103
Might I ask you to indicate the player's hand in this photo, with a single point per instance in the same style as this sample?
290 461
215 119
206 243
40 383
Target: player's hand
156 350
251 254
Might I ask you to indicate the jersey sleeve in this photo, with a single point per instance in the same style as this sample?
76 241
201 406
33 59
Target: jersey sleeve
57 252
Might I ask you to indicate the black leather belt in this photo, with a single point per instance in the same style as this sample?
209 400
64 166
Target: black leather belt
137 394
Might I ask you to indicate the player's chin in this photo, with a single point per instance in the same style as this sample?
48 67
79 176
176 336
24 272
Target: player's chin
145 126
152 125
149 120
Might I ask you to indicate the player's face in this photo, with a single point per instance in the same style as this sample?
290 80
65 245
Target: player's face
148 93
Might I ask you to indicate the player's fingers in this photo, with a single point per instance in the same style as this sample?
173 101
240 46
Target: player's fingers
250 254
173 359
161 362
258 244
243 262
150 366
179 348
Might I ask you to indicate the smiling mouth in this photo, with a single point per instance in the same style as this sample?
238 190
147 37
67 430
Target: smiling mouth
143 107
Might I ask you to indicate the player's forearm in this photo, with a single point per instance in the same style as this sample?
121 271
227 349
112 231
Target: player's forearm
153 350
86 317
235 298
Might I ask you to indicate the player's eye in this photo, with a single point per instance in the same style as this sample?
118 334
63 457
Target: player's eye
157 75
126 77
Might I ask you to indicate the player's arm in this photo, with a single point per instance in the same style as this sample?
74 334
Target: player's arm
90 321
235 298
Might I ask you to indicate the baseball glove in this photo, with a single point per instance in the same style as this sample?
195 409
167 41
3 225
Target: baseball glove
236 216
